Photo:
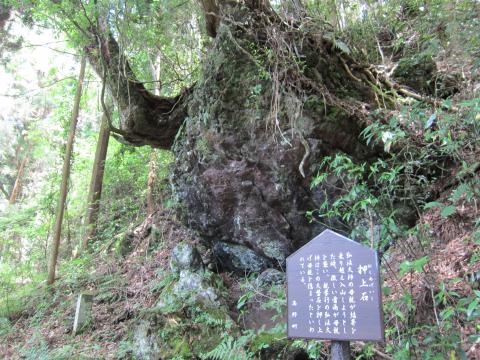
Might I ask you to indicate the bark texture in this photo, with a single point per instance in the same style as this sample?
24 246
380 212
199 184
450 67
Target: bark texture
18 182
96 183
145 118
212 19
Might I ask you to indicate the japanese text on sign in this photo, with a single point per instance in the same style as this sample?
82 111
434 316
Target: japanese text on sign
333 290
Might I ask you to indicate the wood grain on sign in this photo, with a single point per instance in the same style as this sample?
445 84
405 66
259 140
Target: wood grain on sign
334 290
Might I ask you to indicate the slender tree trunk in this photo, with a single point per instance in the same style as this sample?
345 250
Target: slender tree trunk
151 182
210 9
156 70
18 181
69 233
65 175
96 184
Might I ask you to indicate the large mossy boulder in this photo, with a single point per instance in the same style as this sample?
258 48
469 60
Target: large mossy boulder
185 328
242 173
194 286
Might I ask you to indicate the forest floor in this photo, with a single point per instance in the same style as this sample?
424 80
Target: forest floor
453 262
122 288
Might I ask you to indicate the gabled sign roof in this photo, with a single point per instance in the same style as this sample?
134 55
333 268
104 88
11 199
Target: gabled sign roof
329 238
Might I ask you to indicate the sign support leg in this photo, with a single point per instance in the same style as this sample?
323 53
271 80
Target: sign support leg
340 350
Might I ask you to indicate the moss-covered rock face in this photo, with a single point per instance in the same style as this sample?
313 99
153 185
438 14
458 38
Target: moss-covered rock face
146 343
188 320
239 258
243 174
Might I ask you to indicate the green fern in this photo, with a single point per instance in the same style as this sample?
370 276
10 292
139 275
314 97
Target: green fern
230 349
211 320
337 43
340 45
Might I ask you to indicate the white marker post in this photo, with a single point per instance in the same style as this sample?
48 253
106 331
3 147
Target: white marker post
83 313
340 350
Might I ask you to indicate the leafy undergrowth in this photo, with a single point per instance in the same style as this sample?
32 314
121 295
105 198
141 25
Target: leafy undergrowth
431 287
129 277
431 300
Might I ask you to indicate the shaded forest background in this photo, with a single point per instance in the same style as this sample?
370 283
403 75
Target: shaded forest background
239 130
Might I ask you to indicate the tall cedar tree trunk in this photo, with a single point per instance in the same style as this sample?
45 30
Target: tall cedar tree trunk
65 176
18 181
96 183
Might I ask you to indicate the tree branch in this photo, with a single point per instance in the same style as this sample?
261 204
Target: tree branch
145 119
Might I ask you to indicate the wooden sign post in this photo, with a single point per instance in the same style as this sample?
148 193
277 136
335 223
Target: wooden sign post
334 293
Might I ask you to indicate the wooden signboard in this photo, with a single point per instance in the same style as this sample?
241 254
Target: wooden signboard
334 291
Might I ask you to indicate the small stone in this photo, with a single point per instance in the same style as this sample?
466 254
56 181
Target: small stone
194 285
83 313
146 343
185 257
270 277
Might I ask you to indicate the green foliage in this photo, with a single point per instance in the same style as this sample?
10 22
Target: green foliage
26 227
243 300
125 350
314 349
402 28
416 265
369 198
166 282
63 352
231 349
36 348
165 35
376 190
369 193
